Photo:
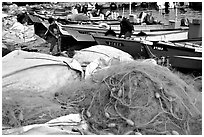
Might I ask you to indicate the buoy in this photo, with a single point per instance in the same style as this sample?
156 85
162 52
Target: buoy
175 132
111 125
120 93
88 114
130 122
157 95
20 116
138 133
113 89
107 115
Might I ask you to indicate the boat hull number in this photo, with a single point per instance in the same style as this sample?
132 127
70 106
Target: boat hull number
158 48
113 43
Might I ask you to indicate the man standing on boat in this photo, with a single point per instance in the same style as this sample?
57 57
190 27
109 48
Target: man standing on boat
149 19
54 30
126 28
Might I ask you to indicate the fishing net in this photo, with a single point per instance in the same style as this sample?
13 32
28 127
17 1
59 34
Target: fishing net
137 98
29 82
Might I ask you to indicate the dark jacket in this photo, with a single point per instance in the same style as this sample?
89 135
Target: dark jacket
149 20
52 27
125 26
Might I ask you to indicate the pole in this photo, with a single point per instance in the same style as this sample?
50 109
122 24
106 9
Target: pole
176 11
130 7
123 11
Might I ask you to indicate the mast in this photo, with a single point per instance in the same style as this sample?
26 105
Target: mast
123 12
176 11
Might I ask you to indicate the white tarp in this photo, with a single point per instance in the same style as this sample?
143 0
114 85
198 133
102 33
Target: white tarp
100 56
60 126
90 54
37 72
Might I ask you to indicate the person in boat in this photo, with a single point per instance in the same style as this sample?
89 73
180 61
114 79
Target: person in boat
142 16
97 6
113 6
166 4
54 30
185 22
85 9
126 28
78 7
107 14
149 19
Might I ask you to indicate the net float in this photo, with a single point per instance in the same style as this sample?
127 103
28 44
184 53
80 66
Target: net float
111 125
107 114
174 132
157 95
88 114
130 122
120 93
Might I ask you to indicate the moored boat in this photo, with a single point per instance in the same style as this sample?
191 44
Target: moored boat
69 38
92 25
188 51
182 55
186 62
166 34
133 47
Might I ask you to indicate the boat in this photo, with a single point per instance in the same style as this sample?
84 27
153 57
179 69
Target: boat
156 35
152 32
60 14
93 24
76 34
133 47
140 46
181 54
69 38
188 51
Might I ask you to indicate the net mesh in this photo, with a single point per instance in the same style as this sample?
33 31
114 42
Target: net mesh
138 97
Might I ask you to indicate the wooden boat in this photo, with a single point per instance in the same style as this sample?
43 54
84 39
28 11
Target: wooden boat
186 62
98 25
77 32
133 47
181 54
69 39
137 46
176 53
170 35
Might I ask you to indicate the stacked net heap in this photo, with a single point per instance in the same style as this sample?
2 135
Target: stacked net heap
137 98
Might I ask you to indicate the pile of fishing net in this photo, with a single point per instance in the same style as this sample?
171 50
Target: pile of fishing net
29 82
137 98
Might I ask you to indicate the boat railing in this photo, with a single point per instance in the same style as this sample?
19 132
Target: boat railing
192 44
197 47
193 47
